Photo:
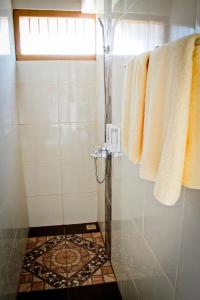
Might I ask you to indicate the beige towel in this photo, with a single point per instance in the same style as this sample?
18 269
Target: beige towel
191 176
166 117
133 106
140 68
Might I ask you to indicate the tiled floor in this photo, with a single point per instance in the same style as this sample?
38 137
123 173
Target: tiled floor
65 261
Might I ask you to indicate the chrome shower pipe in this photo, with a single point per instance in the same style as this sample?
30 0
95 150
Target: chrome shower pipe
105 48
105 52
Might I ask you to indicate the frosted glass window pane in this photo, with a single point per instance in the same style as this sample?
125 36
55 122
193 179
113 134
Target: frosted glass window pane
43 25
62 26
25 26
57 36
34 28
53 26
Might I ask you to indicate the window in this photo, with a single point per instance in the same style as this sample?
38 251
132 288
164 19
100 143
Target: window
45 35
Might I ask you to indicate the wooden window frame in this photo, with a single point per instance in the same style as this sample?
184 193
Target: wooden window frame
17 13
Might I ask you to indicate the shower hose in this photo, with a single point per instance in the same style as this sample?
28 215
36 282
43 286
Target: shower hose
100 181
106 50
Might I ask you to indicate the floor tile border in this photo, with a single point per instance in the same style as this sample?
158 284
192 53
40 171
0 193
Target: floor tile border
61 229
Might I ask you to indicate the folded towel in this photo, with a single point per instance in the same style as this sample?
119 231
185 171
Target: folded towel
191 176
167 110
133 106
139 81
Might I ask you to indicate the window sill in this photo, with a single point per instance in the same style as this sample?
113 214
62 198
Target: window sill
55 57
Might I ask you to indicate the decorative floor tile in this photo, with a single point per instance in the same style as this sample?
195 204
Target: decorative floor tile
64 261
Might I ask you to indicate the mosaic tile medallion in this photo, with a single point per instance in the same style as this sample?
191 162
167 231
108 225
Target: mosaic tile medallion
65 261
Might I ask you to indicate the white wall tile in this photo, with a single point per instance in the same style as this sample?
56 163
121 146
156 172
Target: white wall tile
8 65
45 210
117 93
77 72
40 143
78 176
37 104
42 178
77 103
100 93
8 108
80 208
77 141
36 72
12 182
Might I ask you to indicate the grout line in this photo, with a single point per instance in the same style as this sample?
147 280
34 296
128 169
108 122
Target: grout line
42 195
146 243
27 162
56 123
61 194
56 83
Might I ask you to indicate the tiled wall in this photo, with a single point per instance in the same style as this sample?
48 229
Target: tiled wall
57 113
155 249
13 211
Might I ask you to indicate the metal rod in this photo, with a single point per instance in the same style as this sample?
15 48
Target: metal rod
197 43
104 77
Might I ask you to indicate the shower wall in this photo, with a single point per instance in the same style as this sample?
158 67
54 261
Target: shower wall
57 114
155 249
13 210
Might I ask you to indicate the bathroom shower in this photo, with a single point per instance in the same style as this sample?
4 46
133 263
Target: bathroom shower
123 221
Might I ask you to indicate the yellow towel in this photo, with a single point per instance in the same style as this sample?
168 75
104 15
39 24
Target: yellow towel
191 176
139 82
166 117
133 106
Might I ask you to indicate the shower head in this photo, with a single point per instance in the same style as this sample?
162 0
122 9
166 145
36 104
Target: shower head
105 48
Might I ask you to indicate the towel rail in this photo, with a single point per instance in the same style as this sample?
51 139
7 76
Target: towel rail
197 43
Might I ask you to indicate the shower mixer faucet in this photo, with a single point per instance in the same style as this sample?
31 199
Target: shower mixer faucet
112 144
100 152
112 147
